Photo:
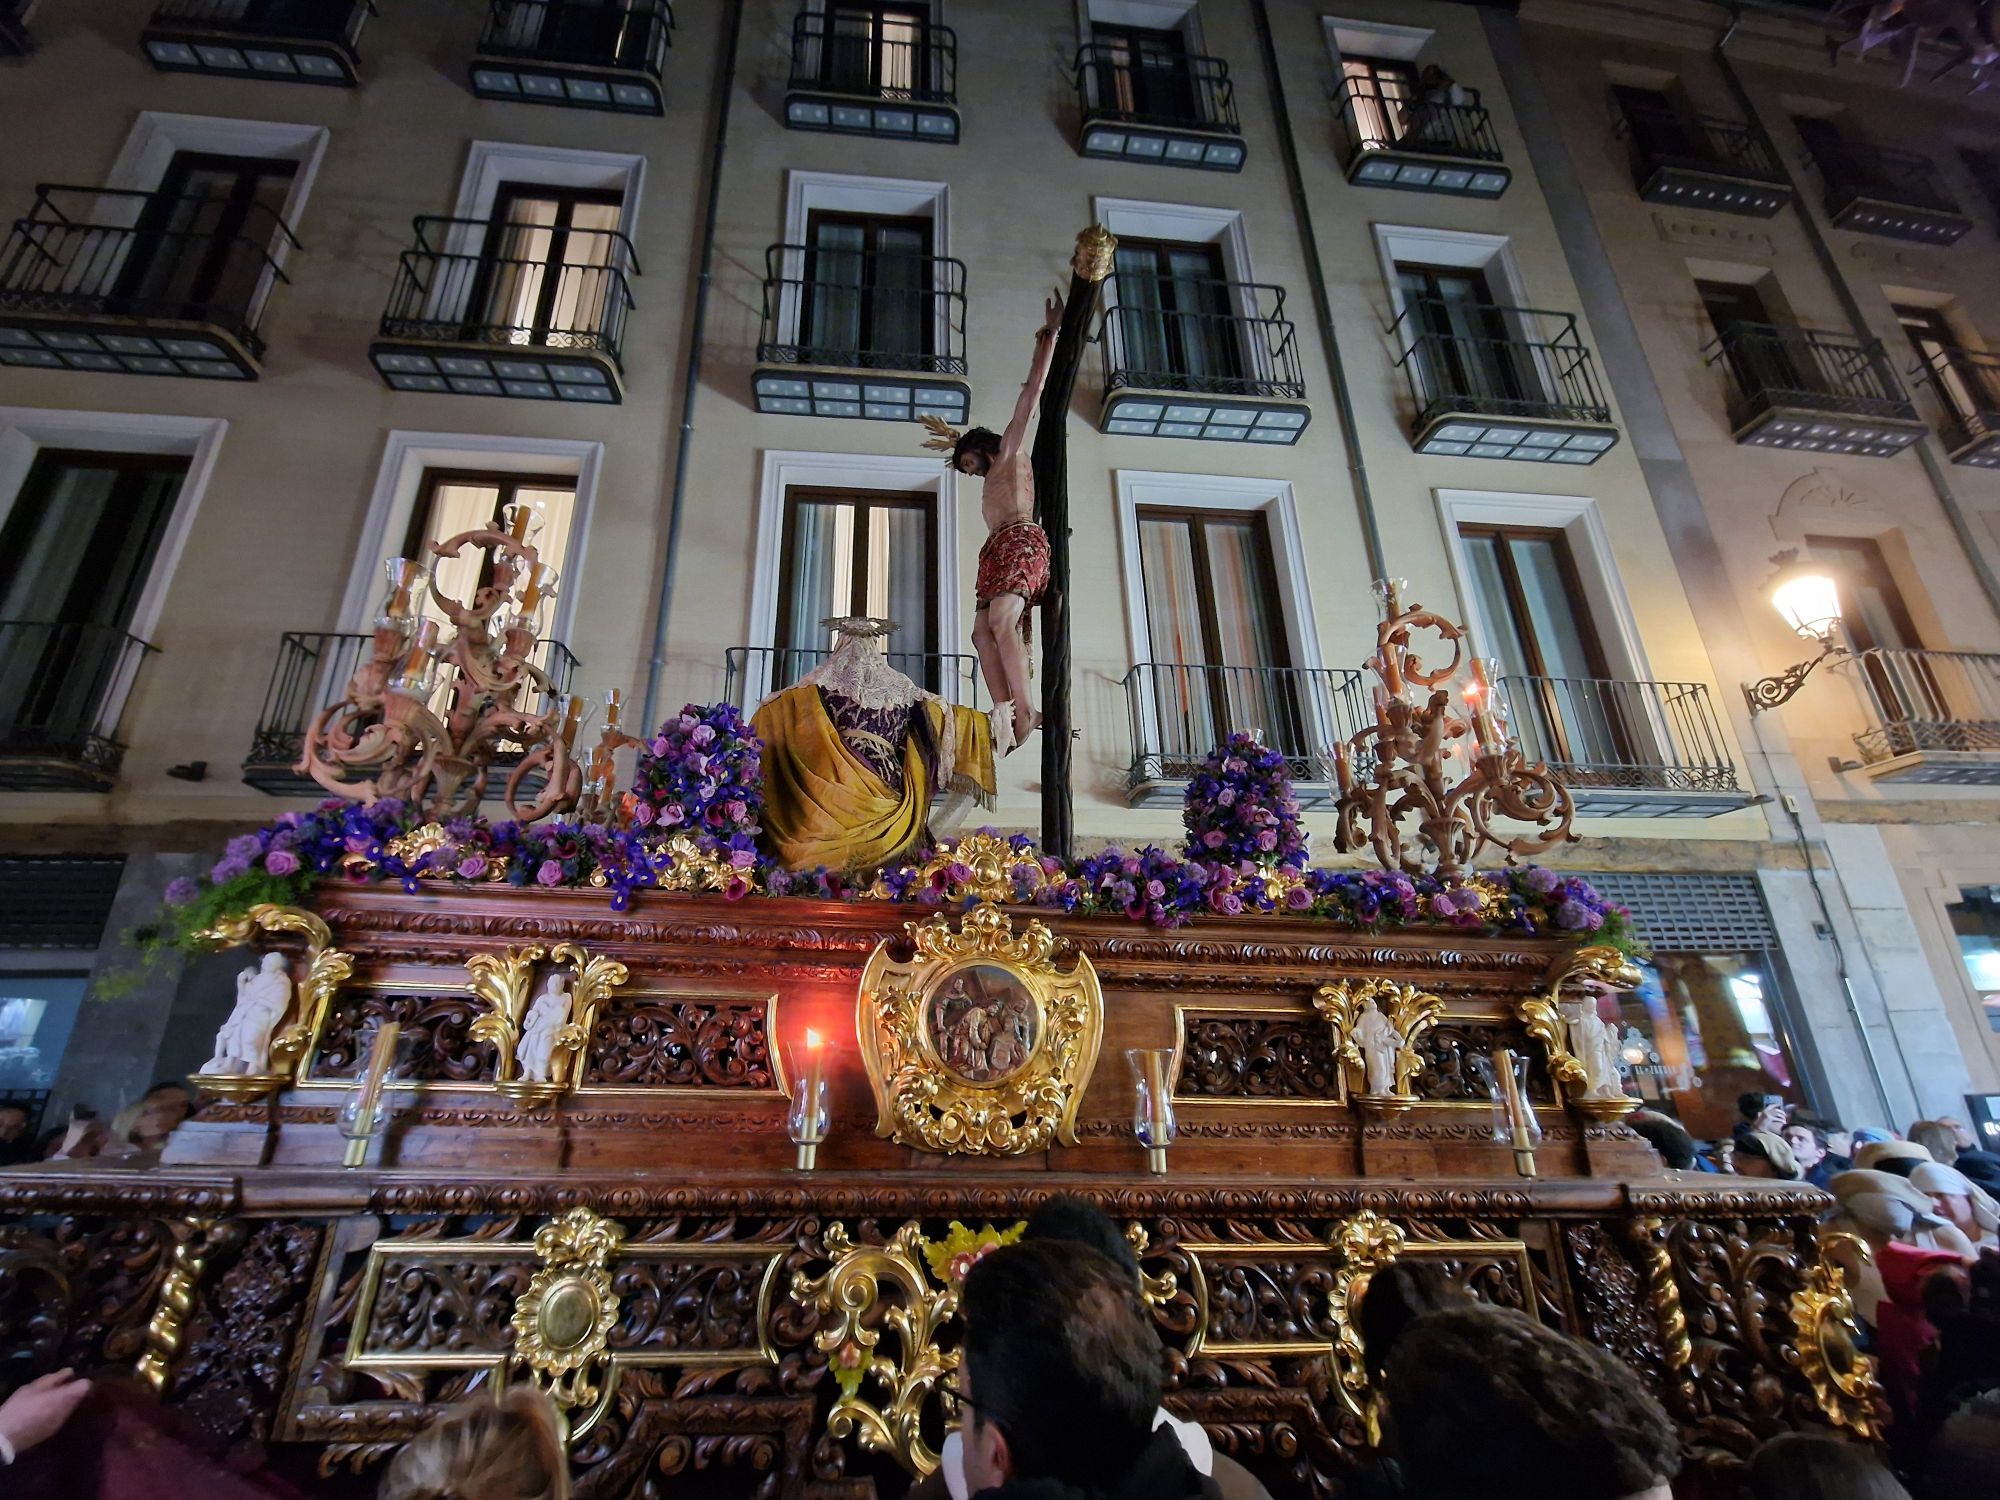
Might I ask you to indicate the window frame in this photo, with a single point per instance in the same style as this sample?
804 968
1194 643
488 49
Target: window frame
872 224
864 501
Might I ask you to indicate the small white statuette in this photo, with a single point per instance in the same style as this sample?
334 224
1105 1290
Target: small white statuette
546 1017
1595 1045
1379 1040
263 995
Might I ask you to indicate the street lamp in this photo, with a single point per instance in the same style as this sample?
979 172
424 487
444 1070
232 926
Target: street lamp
1808 598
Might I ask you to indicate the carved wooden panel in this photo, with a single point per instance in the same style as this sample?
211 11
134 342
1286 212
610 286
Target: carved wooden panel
78 1291
1255 1056
681 1041
434 1033
1447 1050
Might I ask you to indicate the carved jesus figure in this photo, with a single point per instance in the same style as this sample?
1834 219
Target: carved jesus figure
263 994
1014 561
1379 1041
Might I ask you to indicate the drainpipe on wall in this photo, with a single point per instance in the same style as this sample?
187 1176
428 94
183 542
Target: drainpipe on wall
1343 401
1968 539
732 26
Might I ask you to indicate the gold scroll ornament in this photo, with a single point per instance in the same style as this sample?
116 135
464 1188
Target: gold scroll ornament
563 1322
979 1043
1842 1377
1542 1015
327 968
1410 1010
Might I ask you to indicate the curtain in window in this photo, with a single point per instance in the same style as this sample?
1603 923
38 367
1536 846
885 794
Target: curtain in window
890 578
1174 626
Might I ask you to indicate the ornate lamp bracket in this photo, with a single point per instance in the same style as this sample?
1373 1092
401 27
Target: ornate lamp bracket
1824 1331
1770 692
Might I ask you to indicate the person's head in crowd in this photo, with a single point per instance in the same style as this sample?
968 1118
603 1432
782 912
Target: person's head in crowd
13 1122
1665 1135
1392 1300
1820 1466
1485 1403
1898 1158
1081 1222
1762 1112
1870 1135
1961 1133
1965 1454
482 1449
1760 1153
1879 1206
1808 1145
147 1121
1955 1199
1937 1138
1061 1372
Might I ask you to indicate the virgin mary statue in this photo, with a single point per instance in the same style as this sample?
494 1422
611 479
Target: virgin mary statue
854 753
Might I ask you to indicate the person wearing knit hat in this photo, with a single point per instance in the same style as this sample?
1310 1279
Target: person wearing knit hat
1898 1158
1956 1199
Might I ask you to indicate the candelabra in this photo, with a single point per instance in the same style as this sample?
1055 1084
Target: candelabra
1410 812
425 719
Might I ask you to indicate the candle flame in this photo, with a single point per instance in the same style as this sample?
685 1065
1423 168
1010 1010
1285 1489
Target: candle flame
812 1038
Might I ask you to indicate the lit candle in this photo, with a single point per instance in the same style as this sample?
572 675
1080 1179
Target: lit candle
572 717
815 1067
807 1123
1341 769
1479 682
614 709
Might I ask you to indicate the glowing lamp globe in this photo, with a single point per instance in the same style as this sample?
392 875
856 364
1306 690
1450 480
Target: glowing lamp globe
1808 599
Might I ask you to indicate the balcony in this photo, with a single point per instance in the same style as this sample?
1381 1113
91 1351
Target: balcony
876 335
1695 161
1502 382
1934 716
311 675
1177 111
752 673
1216 360
1180 712
1627 749
1827 392
1416 145
1966 384
62 692
585 54
1891 193
873 74
294 41
480 309
139 283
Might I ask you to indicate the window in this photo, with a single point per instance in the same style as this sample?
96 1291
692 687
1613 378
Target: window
37 1014
205 240
1878 626
1143 74
1964 386
604 32
1175 321
858 552
450 502
1215 631
1465 344
1658 125
76 551
1537 623
1379 91
1984 167
1975 922
545 272
867 298
1700 1029
1758 356
875 49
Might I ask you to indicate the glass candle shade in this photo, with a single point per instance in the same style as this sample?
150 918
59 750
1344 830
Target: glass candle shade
1389 594
1152 1102
807 1120
536 587
408 581
365 1110
522 520
1505 1075
417 674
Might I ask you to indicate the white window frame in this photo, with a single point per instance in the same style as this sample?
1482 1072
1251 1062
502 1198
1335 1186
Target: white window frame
1193 224
406 456
1275 500
1377 39
1183 16
807 193
490 163
26 430
785 470
1492 254
1581 521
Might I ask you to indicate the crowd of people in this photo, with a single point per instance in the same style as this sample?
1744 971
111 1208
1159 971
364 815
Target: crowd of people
140 1127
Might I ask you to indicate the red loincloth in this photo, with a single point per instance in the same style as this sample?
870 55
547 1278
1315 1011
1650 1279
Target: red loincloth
1014 560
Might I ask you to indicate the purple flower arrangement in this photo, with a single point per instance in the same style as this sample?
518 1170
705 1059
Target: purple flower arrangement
702 774
1239 808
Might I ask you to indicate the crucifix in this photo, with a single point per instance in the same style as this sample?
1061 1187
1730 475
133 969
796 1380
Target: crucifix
1025 558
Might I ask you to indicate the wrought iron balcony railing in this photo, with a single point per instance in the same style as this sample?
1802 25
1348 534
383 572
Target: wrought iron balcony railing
1802 388
863 310
871 56
307 41
311 675
1498 361
1225 338
1941 705
1966 385
1180 712
63 689
752 673
1120 86
1608 739
1374 120
86 257
1699 159
587 54
1894 193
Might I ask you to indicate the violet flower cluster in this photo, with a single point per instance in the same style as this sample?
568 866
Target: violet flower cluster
702 774
1239 808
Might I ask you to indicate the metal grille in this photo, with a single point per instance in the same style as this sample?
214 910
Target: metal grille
1692 913
56 903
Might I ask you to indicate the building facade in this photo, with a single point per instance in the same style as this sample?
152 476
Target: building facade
308 290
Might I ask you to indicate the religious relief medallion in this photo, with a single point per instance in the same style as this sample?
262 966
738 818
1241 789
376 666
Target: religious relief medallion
978 1041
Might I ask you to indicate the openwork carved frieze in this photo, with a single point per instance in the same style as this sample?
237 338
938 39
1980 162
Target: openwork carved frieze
1446 1075
436 1033
978 1042
81 1290
1255 1055
683 1042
